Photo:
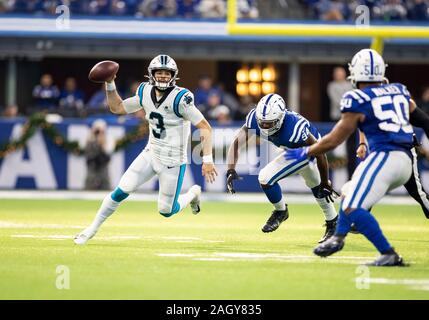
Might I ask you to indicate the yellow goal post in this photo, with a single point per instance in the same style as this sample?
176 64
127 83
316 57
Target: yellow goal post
377 33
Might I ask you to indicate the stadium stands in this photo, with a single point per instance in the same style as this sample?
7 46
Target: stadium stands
328 10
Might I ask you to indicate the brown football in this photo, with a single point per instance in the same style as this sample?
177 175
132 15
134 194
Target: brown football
103 71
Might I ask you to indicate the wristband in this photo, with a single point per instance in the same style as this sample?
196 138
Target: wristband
208 158
363 143
110 86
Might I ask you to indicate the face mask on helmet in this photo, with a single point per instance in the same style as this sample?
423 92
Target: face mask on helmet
268 124
162 62
162 80
270 113
367 66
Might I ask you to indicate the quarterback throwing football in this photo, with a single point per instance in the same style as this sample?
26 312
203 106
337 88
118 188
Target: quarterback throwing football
170 110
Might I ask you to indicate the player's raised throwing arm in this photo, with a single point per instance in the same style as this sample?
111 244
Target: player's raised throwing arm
114 101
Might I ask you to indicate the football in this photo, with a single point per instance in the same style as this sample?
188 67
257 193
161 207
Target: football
103 71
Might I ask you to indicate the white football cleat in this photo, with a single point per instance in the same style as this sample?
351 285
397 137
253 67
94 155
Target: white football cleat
195 203
83 237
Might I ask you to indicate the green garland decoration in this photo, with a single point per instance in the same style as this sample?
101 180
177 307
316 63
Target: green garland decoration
38 120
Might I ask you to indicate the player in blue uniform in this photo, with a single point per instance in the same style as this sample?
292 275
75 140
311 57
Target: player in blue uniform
385 113
271 120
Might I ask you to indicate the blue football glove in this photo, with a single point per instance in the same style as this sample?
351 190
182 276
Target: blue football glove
299 154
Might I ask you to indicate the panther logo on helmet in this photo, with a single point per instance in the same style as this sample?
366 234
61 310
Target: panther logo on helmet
270 113
163 62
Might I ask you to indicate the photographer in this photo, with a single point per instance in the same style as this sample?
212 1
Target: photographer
97 158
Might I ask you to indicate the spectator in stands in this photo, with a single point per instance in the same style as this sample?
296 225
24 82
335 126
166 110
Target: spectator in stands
98 99
4 6
71 97
158 8
205 86
390 10
336 88
210 110
212 9
26 6
97 156
187 8
98 7
222 114
118 7
10 111
419 10
423 103
332 10
229 99
46 93
246 104
247 9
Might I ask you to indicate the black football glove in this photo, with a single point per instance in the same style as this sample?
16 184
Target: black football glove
326 191
231 175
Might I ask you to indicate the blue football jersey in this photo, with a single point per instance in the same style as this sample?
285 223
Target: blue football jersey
387 114
293 133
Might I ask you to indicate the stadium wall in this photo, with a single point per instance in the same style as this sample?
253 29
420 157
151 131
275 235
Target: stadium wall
43 165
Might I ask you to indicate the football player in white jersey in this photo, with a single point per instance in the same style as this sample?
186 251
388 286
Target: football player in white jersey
170 110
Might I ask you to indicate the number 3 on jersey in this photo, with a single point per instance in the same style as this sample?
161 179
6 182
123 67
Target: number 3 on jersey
399 115
157 132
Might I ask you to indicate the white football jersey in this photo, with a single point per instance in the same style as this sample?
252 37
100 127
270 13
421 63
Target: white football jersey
169 120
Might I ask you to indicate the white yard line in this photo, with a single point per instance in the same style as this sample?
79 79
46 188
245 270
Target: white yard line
414 284
207 196
14 225
247 256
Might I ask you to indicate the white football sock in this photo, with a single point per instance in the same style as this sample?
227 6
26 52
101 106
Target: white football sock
108 206
280 206
328 208
185 199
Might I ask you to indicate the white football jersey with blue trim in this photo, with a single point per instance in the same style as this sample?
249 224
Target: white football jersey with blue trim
169 121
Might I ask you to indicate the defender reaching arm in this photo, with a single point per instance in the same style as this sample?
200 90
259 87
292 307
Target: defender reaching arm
239 141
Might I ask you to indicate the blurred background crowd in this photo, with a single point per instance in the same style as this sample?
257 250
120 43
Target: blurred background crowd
329 10
69 100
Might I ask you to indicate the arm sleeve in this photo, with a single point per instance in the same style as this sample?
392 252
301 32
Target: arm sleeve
188 110
418 118
132 104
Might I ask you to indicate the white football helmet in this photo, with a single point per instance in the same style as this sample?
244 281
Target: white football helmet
270 113
163 62
367 66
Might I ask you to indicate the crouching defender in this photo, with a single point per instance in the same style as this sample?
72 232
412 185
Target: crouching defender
170 110
385 113
285 129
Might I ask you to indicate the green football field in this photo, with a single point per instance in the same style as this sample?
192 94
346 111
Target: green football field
219 254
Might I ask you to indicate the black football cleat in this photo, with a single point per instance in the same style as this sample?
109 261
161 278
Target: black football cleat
330 246
275 220
331 225
388 260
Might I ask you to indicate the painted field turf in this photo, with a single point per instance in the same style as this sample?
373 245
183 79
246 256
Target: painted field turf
219 254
